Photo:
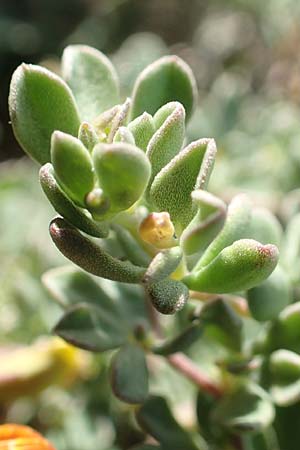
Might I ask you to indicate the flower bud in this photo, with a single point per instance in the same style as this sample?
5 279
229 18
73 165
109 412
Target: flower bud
158 230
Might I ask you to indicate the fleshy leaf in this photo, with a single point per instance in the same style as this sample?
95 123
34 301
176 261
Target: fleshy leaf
284 332
142 129
247 409
70 286
168 139
265 227
290 249
155 417
172 187
119 119
235 228
181 342
90 257
39 103
66 208
124 135
162 265
131 247
88 136
92 78
270 297
123 171
87 327
222 323
284 368
167 296
72 165
242 265
167 79
129 374
206 224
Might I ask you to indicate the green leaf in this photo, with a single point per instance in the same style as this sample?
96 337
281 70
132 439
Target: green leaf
88 136
142 129
92 79
222 323
66 208
87 327
168 139
167 296
124 303
284 368
265 227
290 249
162 265
124 135
167 79
70 286
155 417
269 298
90 257
235 228
118 120
180 343
205 226
123 171
129 374
242 265
131 247
39 103
72 165
247 409
284 332
172 187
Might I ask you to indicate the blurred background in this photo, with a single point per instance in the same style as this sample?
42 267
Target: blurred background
245 55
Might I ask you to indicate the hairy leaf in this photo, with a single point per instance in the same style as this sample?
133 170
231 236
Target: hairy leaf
222 323
90 257
92 78
167 79
235 228
123 171
172 187
242 265
129 374
87 327
66 208
39 103
72 165
88 136
142 129
206 224
248 408
155 418
168 139
284 368
162 265
168 296
269 298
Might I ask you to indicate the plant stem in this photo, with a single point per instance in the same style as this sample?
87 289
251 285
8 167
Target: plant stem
191 371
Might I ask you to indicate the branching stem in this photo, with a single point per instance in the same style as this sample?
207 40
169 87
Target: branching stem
191 371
